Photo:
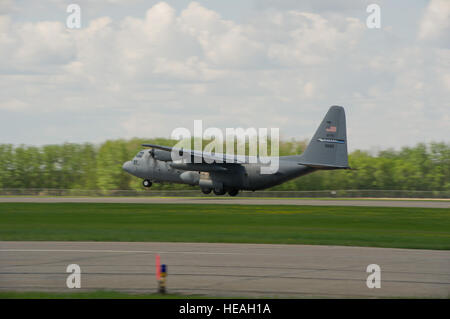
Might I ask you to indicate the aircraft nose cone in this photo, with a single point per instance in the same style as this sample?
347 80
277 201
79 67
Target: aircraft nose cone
126 166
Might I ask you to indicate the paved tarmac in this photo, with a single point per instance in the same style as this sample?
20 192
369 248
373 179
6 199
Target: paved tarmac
247 270
235 201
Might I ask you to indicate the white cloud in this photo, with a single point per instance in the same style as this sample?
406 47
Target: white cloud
311 39
6 6
14 105
142 74
435 23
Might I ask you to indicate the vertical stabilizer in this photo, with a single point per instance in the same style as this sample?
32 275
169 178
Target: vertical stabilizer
328 147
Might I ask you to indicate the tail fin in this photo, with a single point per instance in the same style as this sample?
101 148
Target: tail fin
328 147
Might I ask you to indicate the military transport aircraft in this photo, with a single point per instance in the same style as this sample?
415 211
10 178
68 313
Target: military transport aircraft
217 173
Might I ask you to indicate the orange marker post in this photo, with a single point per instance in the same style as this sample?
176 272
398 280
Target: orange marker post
158 267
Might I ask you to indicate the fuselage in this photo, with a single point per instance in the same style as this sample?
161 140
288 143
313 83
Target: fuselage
237 176
226 173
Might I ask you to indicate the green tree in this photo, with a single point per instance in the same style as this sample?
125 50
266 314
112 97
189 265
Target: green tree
110 158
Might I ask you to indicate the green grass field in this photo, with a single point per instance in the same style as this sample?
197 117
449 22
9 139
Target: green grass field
426 228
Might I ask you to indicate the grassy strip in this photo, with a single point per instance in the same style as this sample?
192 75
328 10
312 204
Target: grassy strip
426 228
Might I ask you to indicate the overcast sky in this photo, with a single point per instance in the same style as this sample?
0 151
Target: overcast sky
142 68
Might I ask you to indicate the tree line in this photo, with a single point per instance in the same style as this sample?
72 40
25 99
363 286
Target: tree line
89 166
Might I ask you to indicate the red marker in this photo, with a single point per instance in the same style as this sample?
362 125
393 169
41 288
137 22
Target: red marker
158 268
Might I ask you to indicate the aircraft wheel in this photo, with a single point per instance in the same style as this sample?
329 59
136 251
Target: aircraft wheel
146 183
218 191
206 190
233 192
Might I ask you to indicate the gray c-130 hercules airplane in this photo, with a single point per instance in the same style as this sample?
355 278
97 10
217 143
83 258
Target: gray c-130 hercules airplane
327 150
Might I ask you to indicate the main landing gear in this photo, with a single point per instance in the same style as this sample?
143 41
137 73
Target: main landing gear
206 190
147 183
220 191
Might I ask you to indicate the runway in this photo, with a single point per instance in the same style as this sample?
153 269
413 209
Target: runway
226 269
234 201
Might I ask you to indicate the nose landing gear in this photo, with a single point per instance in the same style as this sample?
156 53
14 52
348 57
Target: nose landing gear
147 183
233 192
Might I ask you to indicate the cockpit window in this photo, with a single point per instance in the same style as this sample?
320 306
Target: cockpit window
139 155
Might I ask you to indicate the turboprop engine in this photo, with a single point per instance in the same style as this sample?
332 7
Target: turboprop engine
161 155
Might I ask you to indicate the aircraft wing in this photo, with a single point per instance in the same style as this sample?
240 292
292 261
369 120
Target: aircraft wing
159 147
213 158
